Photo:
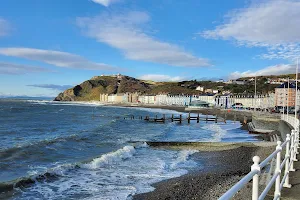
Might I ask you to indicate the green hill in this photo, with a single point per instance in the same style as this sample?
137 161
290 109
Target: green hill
91 89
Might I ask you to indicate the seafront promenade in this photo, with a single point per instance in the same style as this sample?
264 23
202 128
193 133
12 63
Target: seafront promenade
279 165
292 193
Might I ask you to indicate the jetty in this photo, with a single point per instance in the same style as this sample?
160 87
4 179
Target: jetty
178 118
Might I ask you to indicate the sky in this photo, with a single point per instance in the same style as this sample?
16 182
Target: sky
50 45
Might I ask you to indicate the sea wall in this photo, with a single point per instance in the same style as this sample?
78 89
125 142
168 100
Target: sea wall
284 128
266 122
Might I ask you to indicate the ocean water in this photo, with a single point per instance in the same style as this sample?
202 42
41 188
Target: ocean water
53 150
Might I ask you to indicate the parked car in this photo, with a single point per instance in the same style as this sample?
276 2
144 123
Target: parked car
237 106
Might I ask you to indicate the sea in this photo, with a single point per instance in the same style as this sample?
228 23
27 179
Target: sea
66 150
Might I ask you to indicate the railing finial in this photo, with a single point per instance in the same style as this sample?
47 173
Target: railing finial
255 181
256 160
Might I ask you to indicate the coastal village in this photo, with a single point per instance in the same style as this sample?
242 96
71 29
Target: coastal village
150 100
283 96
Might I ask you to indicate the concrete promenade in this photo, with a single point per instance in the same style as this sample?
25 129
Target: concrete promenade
294 191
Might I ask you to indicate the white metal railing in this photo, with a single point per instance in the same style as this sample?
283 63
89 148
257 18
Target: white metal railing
281 179
291 120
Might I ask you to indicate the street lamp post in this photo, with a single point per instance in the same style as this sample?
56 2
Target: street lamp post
288 99
255 95
296 98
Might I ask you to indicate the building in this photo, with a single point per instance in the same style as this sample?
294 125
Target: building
179 100
103 97
130 98
116 98
250 101
209 98
147 99
200 88
285 95
208 90
238 82
198 104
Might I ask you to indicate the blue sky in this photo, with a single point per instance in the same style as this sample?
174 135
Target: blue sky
49 45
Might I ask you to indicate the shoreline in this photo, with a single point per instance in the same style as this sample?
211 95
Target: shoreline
220 171
230 114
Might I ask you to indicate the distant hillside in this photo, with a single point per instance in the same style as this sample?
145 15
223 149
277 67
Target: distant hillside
91 89
291 76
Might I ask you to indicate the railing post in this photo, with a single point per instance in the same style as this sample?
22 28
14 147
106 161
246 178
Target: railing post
278 170
255 182
292 169
297 140
296 144
286 169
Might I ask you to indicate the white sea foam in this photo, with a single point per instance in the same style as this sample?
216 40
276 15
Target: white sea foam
111 158
64 103
217 132
116 175
182 159
144 145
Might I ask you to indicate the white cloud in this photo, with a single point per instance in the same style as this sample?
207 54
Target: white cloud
105 3
273 24
271 70
57 58
125 32
161 77
17 69
4 27
52 86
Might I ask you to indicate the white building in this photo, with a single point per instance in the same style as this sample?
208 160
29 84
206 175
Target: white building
200 88
261 101
147 99
179 100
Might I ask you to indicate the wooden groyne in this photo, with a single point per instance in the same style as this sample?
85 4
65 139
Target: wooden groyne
178 118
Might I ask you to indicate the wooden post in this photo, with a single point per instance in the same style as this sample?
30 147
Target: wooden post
225 117
172 118
164 118
234 117
216 119
198 118
206 118
180 119
189 118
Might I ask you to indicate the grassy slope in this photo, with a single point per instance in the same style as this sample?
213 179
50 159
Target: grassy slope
91 89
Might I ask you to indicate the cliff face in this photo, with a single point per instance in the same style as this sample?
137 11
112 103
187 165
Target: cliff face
91 89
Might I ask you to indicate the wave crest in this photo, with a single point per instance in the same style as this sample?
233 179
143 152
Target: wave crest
110 158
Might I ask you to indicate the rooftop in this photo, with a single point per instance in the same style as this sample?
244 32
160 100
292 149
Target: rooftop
288 85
